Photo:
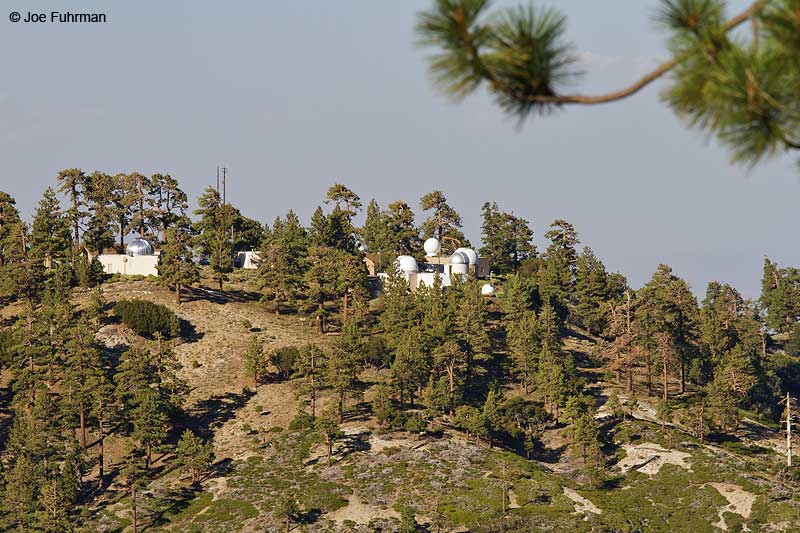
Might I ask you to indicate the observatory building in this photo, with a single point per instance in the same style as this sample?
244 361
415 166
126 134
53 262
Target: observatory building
463 262
139 259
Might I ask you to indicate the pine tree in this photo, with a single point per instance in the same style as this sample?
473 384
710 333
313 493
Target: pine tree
593 291
444 223
780 296
399 308
100 190
176 268
374 234
524 341
382 405
668 317
84 370
664 414
134 479
309 364
283 260
452 362
72 183
402 233
141 216
471 328
341 368
328 425
122 197
411 366
345 199
50 234
506 239
166 204
321 281
255 362
150 422
194 455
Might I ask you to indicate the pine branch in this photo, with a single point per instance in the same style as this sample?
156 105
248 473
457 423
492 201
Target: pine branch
649 78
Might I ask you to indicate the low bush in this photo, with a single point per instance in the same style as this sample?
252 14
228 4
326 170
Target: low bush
147 318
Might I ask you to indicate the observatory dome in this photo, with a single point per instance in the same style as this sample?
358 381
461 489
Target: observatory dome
139 247
432 247
471 254
363 248
488 290
407 264
459 258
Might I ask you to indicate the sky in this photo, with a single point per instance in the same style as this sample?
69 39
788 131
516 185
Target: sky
296 95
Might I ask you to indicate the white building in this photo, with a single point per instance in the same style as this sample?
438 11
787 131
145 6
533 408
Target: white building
464 262
139 260
247 260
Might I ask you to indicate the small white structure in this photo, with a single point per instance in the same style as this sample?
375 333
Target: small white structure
249 260
459 263
139 260
407 264
432 247
472 255
488 289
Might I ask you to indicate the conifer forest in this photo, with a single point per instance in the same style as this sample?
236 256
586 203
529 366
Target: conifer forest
168 363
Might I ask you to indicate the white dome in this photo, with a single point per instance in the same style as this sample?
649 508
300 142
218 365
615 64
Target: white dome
363 248
488 290
432 247
471 254
407 264
459 258
139 247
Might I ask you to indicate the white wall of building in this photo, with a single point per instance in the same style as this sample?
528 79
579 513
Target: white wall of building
140 265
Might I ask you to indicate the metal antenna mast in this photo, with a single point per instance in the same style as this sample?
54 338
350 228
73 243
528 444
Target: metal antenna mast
224 175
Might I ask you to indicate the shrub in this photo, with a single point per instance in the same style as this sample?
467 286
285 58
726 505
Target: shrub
284 360
148 318
301 420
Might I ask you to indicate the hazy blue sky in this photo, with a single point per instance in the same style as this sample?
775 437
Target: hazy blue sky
296 94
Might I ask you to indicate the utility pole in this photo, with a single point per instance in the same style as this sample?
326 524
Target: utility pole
217 179
224 175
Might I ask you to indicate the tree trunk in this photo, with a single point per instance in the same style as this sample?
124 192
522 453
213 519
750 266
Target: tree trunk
629 377
345 300
82 434
220 284
649 373
149 454
133 510
101 459
683 377
178 293
664 393
341 407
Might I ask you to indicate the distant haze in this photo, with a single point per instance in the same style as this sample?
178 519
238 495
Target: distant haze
299 94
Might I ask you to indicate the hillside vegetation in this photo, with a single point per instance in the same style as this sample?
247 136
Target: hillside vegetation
296 397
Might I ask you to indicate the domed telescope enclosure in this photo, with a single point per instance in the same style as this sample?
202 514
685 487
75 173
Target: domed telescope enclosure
139 247
407 264
471 254
432 247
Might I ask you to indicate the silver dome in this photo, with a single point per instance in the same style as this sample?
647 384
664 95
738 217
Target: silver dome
139 247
